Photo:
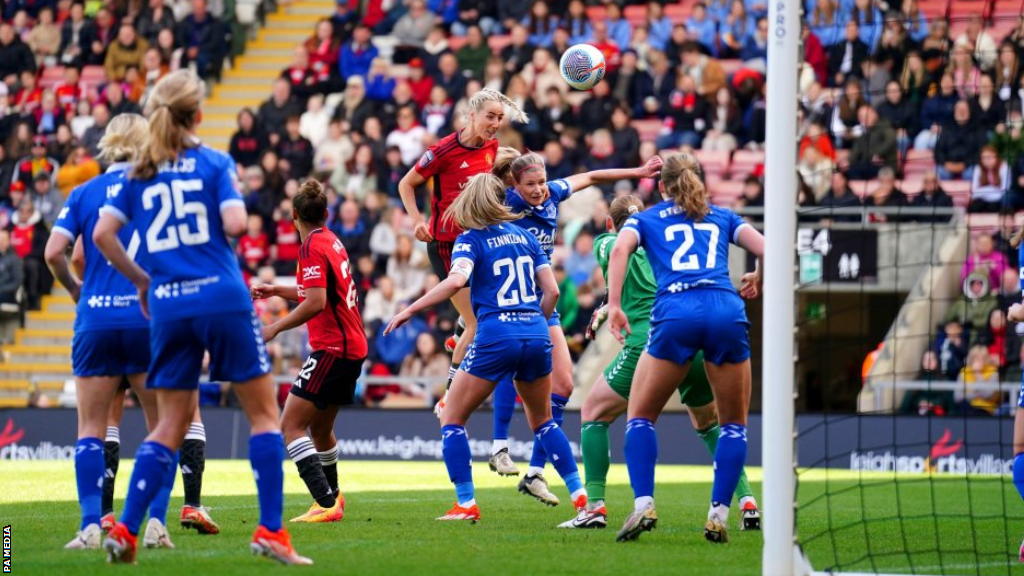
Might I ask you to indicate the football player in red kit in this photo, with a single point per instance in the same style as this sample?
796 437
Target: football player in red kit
327 301
448 165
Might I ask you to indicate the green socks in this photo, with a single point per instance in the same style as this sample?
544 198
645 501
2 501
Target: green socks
709 436
596 458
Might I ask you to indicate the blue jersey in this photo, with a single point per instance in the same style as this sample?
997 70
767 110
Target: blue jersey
685 254
108 300
177 212
542 220
501 262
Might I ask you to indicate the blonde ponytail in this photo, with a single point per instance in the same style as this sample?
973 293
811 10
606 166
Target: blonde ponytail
681 176
481 204
622 208
174 108
124 139
502 167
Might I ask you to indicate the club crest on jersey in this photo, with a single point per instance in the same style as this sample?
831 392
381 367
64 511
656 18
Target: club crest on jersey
488 158
309 272
426 159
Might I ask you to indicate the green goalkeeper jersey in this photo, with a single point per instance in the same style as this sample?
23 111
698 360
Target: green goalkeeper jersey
637 290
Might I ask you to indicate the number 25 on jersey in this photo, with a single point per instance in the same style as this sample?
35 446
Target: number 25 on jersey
166 198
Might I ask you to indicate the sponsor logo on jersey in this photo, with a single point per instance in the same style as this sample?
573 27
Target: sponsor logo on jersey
461 247
183 288
426 159
310 272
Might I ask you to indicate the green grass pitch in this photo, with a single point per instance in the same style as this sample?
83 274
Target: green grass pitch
390 529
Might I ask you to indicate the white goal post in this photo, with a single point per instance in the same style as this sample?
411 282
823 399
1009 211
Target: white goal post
781 555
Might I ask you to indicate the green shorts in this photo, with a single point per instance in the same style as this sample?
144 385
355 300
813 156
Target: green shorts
694 390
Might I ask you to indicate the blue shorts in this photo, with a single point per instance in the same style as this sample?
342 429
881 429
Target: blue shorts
113 352
235 342
555 319
714 321
525 359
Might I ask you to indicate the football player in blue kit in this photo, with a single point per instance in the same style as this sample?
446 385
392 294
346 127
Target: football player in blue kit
531 195
1016 314
111 336
183 200
513 292
695 308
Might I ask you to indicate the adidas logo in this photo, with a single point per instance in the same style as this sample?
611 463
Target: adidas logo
464 165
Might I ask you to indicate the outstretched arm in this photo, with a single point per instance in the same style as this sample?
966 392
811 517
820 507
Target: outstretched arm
650 169
440 293
625 245
261 291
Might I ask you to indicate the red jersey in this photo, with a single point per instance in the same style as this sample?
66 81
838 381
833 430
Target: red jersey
254 250
450 164
287 241
338 328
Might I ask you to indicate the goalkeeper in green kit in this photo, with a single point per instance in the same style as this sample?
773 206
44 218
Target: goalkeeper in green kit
609 397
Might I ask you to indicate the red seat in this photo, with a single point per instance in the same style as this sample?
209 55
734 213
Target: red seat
635 14
595 13
456 42
725 192
497 43
713 163
678 13
647 128
960 190
863 188
52 75
744 162
731 65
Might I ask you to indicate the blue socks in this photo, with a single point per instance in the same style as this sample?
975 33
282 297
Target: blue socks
1018 473
458 459
540 456
158 508
642 455
551 436
504 407
89 470
266 454
152 462
730 456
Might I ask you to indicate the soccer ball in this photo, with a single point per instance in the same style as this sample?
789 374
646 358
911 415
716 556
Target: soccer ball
582 66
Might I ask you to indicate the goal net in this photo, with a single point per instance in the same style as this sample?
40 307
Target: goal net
896 454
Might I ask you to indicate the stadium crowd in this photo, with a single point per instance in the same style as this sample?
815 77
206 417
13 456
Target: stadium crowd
896 110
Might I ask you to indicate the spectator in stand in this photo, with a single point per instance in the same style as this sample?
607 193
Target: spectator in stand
356 56
437 114
755 48
393 348
578 24
44 38
28 238
607 46
846 125
202 37
990 183
79 168
928 402
253 247
295 149
478 13
393 172
619 29
248 141
323 50
816 171
408 136
625 137
901 114
886 195
874 148
351 229
46 198
355 108
77 33
937 112
932 196
49 115
700 28
127 50
156 17
965 74
826 20
15 56
450 78
1009 289
581 261
987 110
519 50
284 252
725 122
952 349
419 82
300 76
344 20
846 58
381 303
104 32
92 135
277 109
751 196
12 270
153 69
979 368
734 29
915 79
1007 71
659 27
687 116
36 162
541 74
380 84
540 23
958 145
28 97
408 268
472 56
815 55
313 122
427 363
412 29
357 178
9 205
839 195
895 43
979 43
335 149
705 71
816 137
116 101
